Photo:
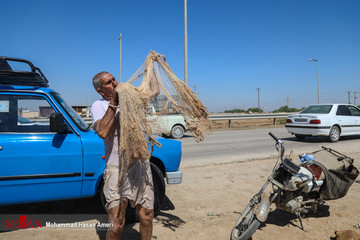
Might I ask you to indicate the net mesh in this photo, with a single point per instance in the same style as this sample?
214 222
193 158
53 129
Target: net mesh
154 82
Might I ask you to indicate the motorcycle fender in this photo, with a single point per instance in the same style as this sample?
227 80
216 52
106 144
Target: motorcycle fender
263 210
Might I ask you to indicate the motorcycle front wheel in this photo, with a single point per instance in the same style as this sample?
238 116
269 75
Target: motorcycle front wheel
246 225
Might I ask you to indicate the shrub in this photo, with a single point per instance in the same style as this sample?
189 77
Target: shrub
287 109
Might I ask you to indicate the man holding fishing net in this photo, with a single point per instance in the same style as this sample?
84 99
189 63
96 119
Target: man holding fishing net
136 184
120 119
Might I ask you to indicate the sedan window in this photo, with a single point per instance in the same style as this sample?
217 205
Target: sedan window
322 109
354 111
343 111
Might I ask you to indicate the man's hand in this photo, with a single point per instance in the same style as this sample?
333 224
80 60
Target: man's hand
115 97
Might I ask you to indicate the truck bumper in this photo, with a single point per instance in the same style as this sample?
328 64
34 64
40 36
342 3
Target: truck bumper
174 177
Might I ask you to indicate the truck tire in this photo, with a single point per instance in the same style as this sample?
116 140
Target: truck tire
177 132
132 215
159 186
159 195
101 195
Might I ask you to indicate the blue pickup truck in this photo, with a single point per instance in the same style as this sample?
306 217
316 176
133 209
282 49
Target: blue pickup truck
47 151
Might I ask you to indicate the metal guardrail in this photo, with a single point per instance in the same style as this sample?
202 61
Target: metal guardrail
229 117
247 116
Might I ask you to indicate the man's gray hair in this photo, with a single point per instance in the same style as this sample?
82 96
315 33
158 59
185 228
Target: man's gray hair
96 80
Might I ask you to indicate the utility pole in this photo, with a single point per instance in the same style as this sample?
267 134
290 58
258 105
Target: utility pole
287 101
120 57
317 70
355 97
185 44
258 89
87 106
349 97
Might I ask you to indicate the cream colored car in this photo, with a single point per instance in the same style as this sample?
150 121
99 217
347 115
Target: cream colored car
172 124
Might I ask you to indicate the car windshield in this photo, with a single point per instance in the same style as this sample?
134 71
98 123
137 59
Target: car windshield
71 112
320 109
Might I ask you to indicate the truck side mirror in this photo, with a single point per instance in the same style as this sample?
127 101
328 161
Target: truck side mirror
57 123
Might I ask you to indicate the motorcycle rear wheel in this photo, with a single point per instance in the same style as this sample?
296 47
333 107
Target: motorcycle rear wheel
246 226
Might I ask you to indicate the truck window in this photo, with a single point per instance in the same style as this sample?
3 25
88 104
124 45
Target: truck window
79 122
24 113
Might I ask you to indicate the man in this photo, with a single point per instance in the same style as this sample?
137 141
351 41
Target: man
136 185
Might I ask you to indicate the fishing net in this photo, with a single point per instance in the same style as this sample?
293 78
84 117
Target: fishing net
154 83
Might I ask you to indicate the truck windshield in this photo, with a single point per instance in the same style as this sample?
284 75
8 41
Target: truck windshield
80 123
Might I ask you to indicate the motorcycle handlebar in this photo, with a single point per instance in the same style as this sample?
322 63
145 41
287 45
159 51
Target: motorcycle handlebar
273 136
279 145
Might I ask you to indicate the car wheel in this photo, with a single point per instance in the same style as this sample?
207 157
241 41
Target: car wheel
334 135
177 132
300 137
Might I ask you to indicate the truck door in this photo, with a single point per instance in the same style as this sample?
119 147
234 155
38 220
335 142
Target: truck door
36 164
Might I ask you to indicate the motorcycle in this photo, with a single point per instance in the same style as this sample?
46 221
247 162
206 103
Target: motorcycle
297 189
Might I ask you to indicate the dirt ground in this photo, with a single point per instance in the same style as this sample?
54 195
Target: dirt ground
206 206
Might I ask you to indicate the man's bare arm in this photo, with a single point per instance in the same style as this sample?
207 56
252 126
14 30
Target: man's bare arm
103 126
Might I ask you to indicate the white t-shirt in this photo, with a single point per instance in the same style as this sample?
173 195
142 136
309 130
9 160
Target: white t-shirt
98 110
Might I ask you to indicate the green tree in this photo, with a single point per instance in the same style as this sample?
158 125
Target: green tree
255 110
287 109
236 110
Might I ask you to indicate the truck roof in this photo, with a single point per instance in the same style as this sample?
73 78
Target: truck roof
9 75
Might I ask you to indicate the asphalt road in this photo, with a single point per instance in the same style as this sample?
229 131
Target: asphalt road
249 144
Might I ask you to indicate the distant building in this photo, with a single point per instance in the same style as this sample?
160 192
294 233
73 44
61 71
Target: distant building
45 111
82 110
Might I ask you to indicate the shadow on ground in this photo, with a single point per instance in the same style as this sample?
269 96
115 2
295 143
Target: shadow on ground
282 218
325 140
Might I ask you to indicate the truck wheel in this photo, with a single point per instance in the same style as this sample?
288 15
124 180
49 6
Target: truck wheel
159 186
102 196
177 132
132 215
159 195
